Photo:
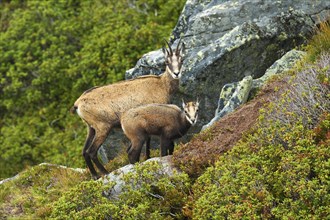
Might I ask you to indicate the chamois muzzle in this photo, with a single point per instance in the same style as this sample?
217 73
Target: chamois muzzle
176 74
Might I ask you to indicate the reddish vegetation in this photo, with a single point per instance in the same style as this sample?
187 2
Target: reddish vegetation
204 149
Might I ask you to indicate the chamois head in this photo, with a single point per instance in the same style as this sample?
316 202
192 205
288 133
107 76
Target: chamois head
174 60
191 111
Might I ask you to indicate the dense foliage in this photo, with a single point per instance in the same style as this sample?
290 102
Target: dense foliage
34 192
148 193
48 191
52 51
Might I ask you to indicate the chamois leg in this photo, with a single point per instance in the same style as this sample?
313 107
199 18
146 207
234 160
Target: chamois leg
148 148
164 145
101 135
171 148
129 147
135 151
88 142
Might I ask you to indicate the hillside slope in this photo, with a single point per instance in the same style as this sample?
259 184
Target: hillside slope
205 148
250 174
269 159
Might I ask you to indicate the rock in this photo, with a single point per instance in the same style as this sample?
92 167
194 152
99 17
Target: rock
115 142
238 97
228 40
116 177
234 94
151 63
280 66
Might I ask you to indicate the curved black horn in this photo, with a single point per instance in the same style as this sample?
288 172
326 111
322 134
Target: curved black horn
171 52
177 48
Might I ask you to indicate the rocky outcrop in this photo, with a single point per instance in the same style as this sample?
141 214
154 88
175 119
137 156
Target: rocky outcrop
282 65
230 98
235 94
116 177
228 40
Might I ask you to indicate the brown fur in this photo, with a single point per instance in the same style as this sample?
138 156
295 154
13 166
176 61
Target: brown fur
167 121
102 107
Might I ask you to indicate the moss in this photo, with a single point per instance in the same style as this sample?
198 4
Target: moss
282 37
272 48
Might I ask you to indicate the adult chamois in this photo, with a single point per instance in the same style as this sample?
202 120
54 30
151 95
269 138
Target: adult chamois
167 121
101 107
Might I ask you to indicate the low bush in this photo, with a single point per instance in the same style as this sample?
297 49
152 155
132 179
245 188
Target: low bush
31 194
148 193
320 42
281 170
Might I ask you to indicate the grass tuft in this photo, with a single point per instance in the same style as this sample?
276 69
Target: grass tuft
320 42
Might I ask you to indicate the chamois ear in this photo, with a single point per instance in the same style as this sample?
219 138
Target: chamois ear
183 103
197 101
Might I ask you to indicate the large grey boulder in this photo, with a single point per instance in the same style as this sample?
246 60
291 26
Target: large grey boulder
228 40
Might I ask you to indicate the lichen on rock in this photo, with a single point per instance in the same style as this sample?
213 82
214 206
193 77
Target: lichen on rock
237 98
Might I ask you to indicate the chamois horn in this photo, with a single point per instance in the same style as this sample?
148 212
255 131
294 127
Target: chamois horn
177 48
169 52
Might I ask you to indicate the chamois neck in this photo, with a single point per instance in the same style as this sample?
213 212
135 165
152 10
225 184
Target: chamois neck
171 83
185 123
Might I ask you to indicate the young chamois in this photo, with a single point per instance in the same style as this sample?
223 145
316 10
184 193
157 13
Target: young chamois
167 121
101 107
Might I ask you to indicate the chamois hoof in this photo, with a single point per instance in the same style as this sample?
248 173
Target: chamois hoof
96 177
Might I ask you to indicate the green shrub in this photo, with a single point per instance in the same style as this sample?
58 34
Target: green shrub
151 194
320 42
281 170
84 201
52 51
31 194
148 193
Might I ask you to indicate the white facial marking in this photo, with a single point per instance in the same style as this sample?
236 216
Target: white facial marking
79 113
174 62
191 109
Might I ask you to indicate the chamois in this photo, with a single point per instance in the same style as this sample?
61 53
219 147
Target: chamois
101 107
164 120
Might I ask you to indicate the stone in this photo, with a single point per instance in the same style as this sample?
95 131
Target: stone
116 176
282 65
237 98
234 94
